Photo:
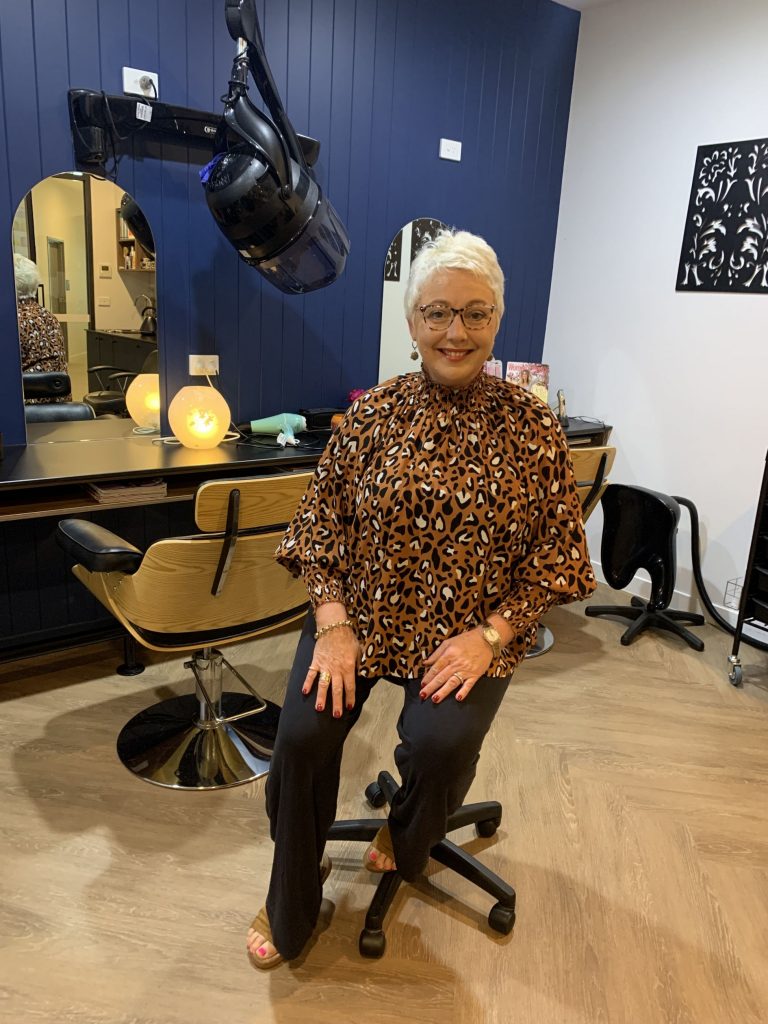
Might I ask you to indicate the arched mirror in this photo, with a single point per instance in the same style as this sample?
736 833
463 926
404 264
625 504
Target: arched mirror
395 346
84 265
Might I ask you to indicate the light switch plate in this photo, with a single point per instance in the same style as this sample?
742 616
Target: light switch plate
138 83
103 300
450 149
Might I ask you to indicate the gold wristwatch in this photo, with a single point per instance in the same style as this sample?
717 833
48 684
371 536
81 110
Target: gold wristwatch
492 638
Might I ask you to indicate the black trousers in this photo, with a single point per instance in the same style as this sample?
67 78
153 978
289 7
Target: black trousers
437 755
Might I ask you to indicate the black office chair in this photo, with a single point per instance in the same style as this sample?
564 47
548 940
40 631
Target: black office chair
485 816
639 532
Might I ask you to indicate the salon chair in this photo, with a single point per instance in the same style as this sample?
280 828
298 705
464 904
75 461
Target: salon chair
51 384
195 594
109 399
45 384
639 532
58 412
591 467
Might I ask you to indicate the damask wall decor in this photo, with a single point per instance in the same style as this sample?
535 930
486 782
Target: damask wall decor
725 244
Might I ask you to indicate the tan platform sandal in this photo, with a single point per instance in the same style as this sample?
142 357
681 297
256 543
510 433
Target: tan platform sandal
260 925
381 845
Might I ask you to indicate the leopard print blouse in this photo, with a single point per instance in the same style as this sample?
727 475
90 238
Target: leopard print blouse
433 507
42 344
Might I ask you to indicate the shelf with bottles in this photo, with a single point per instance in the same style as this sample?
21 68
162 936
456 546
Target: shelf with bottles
131 255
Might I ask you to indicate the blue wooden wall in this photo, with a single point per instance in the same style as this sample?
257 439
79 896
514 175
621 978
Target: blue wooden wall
378 82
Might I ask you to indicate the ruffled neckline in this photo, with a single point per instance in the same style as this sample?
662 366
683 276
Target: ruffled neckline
444 395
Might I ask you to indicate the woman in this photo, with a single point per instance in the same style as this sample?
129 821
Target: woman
441 523
42 343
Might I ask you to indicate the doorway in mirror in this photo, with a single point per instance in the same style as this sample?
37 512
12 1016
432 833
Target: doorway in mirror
395 341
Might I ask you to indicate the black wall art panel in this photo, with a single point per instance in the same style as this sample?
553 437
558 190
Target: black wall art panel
725 244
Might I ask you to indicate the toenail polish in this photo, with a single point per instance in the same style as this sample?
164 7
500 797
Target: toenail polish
372 855
261 951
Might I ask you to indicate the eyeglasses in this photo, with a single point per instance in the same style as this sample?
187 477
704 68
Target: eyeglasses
439 317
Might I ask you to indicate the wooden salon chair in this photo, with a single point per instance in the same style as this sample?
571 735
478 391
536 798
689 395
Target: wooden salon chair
591 467
195 594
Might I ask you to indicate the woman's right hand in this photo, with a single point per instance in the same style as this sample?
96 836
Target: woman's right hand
333 669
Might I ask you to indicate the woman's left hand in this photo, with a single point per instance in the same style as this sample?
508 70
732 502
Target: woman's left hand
456 665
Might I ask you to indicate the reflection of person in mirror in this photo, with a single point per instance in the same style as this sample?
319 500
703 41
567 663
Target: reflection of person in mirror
441 523
42 343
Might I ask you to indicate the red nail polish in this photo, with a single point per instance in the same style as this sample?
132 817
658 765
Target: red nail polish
435 699
459 697
423 695
337 714
318 707
350 707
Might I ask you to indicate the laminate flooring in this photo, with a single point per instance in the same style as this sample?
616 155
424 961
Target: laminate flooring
635 788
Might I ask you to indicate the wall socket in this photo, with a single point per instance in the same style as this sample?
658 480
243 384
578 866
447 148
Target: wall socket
201 366
141 83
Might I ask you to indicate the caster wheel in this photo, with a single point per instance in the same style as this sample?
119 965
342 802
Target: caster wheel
502 919
486 829
374 795
736 676
372 944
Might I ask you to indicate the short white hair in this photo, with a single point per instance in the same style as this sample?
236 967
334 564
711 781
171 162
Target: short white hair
27 276
455 250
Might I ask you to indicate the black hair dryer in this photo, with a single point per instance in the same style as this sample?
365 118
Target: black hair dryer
261 191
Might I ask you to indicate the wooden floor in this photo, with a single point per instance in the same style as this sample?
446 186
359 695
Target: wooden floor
635 790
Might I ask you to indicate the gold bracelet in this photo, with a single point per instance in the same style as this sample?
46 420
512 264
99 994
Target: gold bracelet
334 625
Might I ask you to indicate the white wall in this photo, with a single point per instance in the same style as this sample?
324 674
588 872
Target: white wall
681 376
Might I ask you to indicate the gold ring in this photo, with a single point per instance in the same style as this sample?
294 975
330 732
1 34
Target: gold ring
325 677
459 677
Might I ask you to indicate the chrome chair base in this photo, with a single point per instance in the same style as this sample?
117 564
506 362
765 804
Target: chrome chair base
545 641
168 744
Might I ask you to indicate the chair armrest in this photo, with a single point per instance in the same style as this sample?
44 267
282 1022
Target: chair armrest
97 549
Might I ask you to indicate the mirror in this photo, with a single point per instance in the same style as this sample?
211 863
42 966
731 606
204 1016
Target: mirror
84 263
395 343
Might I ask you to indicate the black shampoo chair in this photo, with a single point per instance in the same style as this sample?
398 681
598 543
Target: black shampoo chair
639 532
193 594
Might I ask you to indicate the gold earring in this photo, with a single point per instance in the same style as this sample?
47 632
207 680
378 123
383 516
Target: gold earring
415 352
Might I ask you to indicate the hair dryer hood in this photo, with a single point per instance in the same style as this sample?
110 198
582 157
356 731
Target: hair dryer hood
261 191
297 242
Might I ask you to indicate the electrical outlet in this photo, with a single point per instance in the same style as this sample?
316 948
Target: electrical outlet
450 149
202 366
141 83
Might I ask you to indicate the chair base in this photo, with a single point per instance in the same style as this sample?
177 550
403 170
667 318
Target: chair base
644 618
545 641
485 816
168 745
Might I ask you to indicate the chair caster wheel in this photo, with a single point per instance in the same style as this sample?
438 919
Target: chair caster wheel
736 675
486 829
502 919
375 795
372 944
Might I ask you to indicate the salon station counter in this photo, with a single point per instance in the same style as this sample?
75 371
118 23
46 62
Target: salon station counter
48 476
42 606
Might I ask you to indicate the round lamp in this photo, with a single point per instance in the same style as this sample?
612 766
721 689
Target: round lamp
199 417
142 400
